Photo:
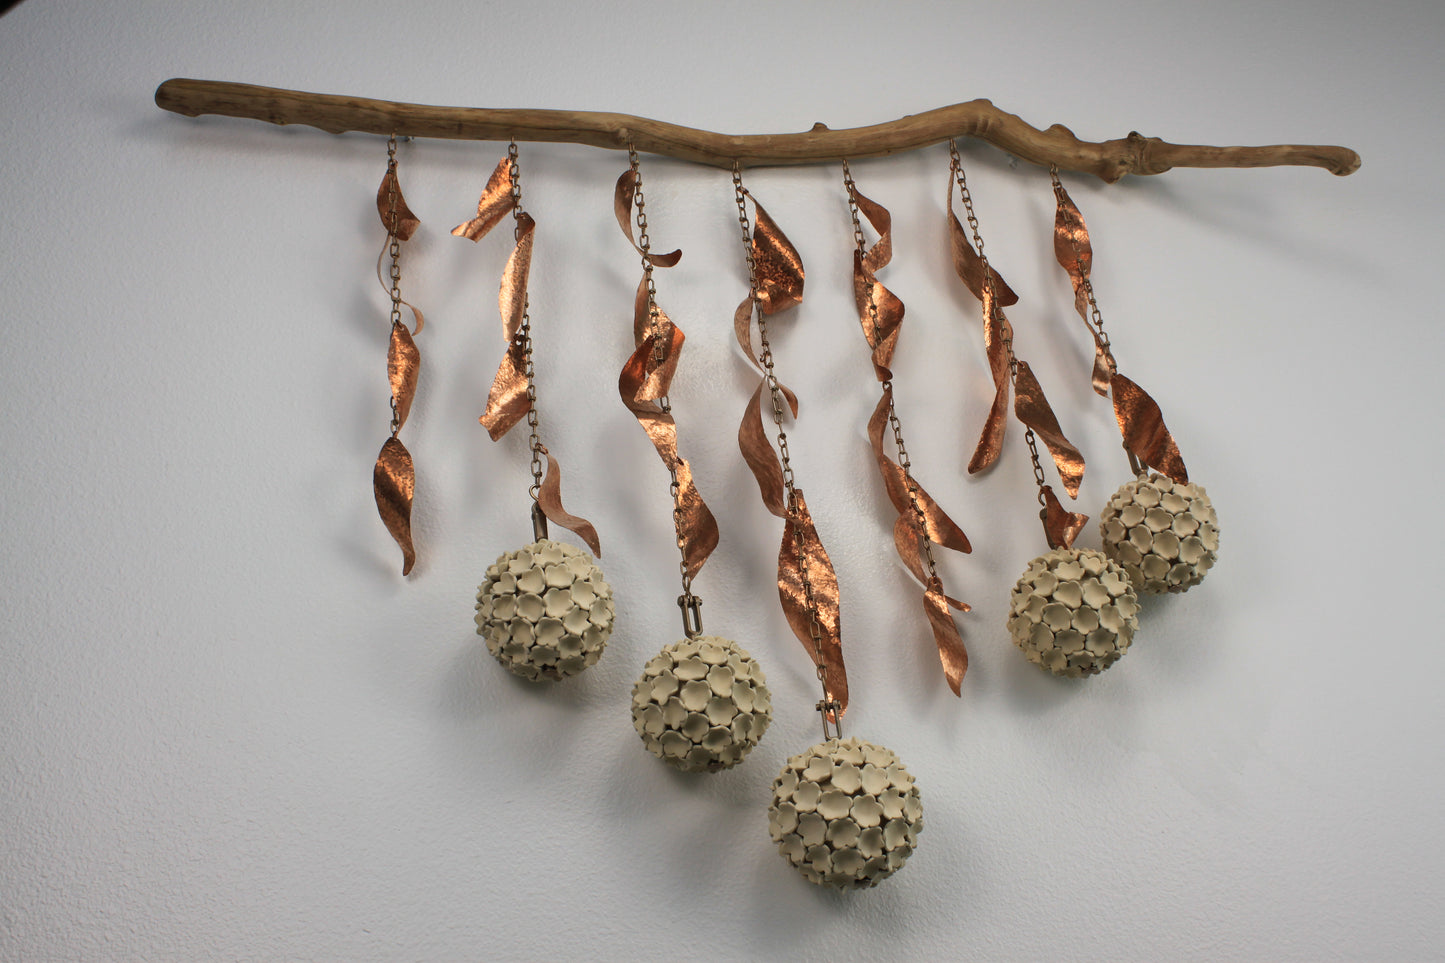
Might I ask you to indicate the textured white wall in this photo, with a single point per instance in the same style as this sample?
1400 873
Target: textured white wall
231 730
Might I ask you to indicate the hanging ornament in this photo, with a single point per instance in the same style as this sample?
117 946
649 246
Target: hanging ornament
1161 527
1073 611
544 609
394 477
920 522
702 703
829 803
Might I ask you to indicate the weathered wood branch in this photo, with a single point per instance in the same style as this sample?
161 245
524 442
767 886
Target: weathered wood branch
980 119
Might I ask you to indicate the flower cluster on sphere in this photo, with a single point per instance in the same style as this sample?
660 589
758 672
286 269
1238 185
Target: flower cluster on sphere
1164 533
845 813
1073 611
545 610
701 704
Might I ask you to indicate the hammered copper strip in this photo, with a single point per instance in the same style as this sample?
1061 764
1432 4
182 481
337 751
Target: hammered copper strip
1142 425
970 266
406 222
938 527
694 519
945 633
403 364
880 327
824 583
550 498
507 402
1104 368
659 372
778 265
512 296
997 335
622 207
759 454
394 480
1061 526
1032 408
1072 248
495 203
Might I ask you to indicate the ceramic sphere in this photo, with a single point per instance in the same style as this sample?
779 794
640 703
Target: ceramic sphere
1073 612
845 813
701 704
1164 533
545 610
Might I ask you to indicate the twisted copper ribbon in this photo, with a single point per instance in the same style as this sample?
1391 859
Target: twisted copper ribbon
643 383
807 582
1030 405
509 400
393 479
1141 423
920 520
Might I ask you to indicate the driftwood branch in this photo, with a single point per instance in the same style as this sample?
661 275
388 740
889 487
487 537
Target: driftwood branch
980 119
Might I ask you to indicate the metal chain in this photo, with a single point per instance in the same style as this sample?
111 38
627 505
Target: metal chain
688 602
956 163
524 333
394 251
861 246
1086 284
831 729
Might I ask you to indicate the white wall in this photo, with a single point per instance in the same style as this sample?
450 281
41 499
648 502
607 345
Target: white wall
232 730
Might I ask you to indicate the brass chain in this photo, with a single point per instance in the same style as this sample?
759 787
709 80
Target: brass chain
833 729
1097 319
956 164
860 243
394 251
689 603
524 333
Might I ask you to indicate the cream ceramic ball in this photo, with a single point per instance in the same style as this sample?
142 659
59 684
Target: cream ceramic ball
701 704
846 813
1074 612
545 610
1165 534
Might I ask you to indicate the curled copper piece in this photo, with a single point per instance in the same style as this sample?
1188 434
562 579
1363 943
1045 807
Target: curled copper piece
1061 526
779 268
879 309
512 295
394 480
951 652
550 498
800 540
969 265
1142 425
403 363
1032 408
622 207
646 377
758 451
507 402
1104 368
1072 248
939 528
405 222
495 203
997 336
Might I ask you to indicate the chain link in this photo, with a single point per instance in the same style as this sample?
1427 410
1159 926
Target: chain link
860 244
956 164
524 334
1096 319
689 603
833 729
393 219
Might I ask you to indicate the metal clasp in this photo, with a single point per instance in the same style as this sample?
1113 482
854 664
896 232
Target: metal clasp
691 606
539 523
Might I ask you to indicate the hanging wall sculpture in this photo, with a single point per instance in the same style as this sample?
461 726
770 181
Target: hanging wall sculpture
544 609
846 813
